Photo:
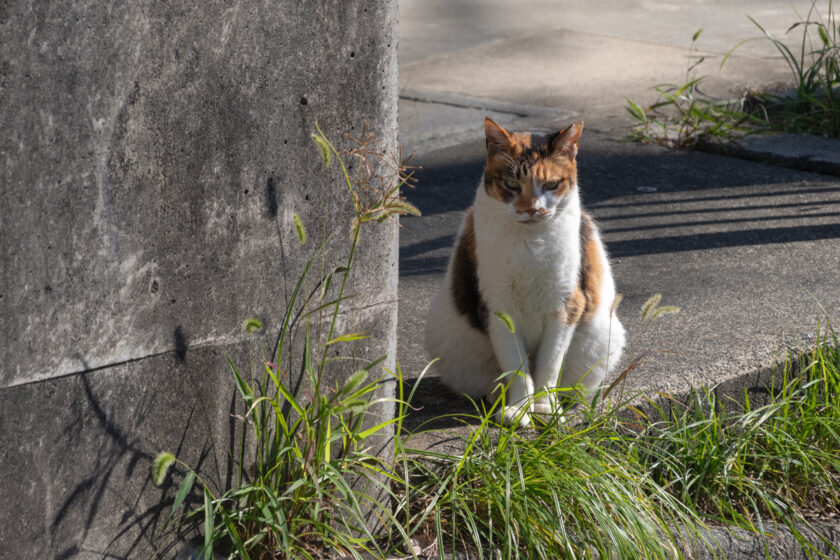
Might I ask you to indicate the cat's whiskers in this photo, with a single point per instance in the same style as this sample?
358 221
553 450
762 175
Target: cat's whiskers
511 163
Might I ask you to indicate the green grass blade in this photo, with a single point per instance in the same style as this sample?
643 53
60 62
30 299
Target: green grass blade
183 492
208 526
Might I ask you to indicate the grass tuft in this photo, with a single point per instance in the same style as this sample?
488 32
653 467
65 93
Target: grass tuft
564 491
683 116
324 147
754 466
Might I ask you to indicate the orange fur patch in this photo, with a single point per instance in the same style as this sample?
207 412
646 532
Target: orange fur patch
575 306
520 142
596 275
586 296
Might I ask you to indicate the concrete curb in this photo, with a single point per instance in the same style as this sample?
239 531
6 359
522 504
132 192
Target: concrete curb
740 544
492 105
462 116
727 544
803 152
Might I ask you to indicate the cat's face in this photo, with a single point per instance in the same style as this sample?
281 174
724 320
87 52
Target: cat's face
530 175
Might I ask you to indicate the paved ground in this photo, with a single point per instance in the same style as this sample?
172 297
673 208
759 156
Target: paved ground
747 249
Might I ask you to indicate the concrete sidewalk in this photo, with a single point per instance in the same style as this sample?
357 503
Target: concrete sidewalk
750 251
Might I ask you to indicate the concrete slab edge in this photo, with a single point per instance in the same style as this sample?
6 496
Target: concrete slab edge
529 118
726 544
802 152
468 102
731 543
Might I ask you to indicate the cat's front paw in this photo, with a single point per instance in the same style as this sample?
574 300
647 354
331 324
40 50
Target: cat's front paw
515 416
546 407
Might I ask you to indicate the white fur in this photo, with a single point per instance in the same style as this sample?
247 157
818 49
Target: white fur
527 270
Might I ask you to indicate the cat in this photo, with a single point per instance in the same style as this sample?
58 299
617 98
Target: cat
527 251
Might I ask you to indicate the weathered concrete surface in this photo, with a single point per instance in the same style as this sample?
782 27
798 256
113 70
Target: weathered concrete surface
152 151
585 57
152 158
77 451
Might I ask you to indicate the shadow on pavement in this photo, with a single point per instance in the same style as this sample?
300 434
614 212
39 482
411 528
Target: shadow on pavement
713 202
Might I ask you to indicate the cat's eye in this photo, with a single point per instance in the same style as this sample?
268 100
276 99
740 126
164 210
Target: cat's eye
512 185
551 185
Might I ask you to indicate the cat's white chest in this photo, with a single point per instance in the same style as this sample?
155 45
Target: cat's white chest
534 273
527 274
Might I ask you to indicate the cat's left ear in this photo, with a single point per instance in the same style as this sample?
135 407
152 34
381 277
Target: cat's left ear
565 143
497 138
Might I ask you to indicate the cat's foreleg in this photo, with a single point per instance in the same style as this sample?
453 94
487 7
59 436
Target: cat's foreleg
510 353
552 351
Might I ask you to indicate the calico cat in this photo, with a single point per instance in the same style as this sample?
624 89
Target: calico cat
527 249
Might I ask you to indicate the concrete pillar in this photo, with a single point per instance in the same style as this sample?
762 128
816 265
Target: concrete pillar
153 154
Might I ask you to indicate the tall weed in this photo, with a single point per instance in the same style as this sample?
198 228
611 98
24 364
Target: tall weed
312 481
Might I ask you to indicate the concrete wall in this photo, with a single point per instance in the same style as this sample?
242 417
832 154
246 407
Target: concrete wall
153 154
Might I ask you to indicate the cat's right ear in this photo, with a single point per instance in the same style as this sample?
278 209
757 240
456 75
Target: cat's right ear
498 139
565 143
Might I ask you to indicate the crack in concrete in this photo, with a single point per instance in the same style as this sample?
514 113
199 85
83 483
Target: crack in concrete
219 341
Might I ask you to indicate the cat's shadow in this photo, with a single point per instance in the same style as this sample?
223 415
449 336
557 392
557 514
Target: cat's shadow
435 407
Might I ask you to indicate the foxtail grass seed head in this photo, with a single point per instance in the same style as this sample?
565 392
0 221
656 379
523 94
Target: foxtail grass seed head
354 381
326 153
507 320
651 309
665 310
650 305
252 325
160 466
616 302
402 207
301 232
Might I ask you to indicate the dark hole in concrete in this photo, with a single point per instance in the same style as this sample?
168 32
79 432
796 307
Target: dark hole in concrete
180 341
304 100
271 197
68 553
